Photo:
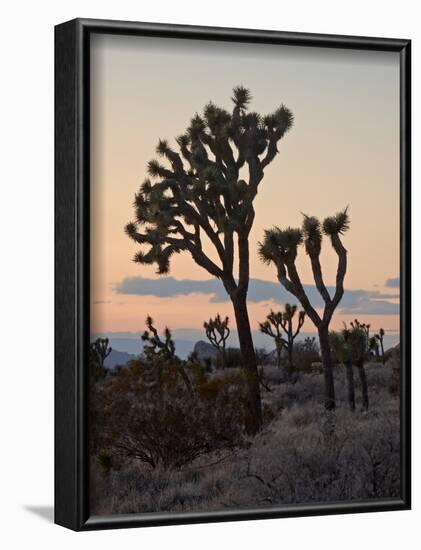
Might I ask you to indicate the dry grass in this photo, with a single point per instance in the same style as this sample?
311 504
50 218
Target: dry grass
304 455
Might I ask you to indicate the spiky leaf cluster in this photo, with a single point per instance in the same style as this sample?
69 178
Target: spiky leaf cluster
280 245
312 235
336 225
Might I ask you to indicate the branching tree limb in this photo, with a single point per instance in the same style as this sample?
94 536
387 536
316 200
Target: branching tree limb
279 326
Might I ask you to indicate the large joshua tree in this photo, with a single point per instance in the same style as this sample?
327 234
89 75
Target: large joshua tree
280 247
201 203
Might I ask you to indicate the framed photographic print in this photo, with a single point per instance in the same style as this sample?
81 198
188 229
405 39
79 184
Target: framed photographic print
232 274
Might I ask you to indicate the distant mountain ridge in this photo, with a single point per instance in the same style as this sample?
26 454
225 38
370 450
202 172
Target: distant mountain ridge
204 351
133 346
128 346
118 358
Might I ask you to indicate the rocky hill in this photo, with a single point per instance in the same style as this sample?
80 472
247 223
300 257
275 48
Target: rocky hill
204 351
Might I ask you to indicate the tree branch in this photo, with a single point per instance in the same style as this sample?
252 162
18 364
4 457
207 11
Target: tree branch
341 271
300 294
318 278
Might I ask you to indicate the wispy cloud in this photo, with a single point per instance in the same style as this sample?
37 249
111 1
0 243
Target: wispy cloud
392 283
353 302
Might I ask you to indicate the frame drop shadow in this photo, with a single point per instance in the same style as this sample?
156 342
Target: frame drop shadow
44 512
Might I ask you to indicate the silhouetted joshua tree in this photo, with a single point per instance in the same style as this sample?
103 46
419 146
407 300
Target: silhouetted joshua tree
154 346
365 327
272 327
360 360
98 352
159 352
339 342
280 247
373 347
309 344
286 323
217 332
280 323
101 350
202 199
348 346
379 337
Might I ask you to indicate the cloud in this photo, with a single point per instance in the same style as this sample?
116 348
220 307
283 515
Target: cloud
168 286
353 302
392 283
102 302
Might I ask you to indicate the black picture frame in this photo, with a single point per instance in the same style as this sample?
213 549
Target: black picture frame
72 168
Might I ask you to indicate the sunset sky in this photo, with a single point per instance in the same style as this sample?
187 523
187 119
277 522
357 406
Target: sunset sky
342 150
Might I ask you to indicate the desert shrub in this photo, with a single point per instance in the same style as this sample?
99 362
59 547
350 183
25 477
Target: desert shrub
105 461
263 358
272 375
303 454
168 413
232 357
395 375
301 416
306 353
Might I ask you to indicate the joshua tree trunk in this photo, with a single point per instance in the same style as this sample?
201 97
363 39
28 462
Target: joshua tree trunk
364 387
350 385
290 363
249 359
382 350
278 354
327 367
223 358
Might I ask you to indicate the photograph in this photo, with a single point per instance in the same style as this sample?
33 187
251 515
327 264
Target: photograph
245 275
210 239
